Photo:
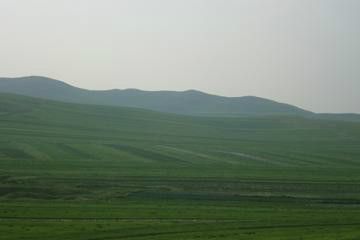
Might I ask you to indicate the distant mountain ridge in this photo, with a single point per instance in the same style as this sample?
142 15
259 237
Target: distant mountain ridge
189 102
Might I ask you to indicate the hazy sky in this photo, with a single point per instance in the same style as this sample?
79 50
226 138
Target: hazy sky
303 52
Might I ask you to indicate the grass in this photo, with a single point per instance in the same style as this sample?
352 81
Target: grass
71 171
179 219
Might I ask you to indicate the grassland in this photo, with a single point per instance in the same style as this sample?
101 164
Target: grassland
72 171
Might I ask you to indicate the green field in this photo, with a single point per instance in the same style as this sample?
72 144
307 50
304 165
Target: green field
71 171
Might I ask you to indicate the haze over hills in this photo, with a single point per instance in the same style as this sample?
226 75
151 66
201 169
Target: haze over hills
196 120
189 102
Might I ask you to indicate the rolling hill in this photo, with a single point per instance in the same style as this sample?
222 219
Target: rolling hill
190 102
73 171
39 131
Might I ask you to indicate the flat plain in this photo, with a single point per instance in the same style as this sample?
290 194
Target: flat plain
71 171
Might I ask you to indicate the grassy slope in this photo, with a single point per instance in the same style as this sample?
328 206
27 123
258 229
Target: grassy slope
149 175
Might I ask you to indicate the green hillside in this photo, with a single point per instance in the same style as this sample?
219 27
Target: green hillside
71 171
234 143
188 102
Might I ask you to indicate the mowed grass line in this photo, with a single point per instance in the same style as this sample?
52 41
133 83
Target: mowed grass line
177 230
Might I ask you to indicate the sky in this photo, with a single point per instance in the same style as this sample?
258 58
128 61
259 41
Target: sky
302 52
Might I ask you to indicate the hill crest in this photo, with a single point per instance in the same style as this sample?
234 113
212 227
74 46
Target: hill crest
189 102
